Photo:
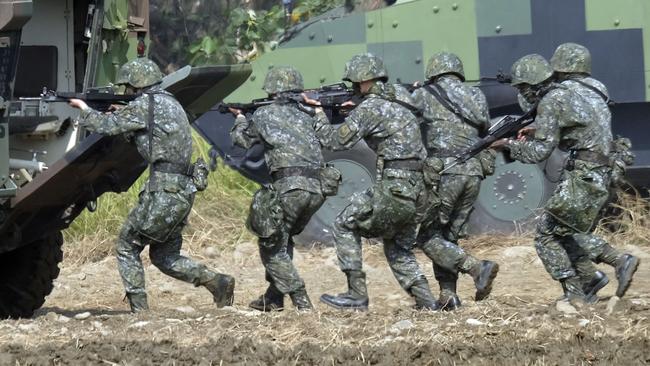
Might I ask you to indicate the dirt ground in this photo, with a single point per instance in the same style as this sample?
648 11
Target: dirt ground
85 320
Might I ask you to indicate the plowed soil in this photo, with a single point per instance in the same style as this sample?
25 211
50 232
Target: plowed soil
85 320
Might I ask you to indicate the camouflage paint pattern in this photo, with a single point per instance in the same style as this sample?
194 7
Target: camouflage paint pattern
388 128
281 79
166 199
572 117
140 73
364 67
444 63
288 134
571 58
390 208
290 141
531 69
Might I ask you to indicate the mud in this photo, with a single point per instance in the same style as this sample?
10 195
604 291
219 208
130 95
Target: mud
85 320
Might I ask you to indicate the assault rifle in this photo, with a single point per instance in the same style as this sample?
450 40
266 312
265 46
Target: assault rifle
99 99
330 97
507 126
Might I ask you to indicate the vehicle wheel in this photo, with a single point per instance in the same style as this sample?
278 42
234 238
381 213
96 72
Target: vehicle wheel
357 167
511 198
27 275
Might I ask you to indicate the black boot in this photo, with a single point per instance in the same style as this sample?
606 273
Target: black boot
138 302
448 299
484 276
573 290
626 265
300 300
271 300
357 296
422 294
598 281
222 288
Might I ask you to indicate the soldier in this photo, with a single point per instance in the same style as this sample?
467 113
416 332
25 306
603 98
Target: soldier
575 122
294 158
158 126
456 116
388 209
571 65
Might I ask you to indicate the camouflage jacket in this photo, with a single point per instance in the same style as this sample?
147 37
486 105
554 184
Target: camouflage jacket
571 117
449 135
172 136
388 128
289 139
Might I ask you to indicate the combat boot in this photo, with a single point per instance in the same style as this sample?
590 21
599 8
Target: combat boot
222 288
448 299
591 289
271 300
138 302
484 273
573 291
357 296
626 265
422 294
300 300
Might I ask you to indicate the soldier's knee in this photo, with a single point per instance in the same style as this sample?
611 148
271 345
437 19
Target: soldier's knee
160 259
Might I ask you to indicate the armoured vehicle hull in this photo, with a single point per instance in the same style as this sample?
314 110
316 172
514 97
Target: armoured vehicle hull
488 35
51 169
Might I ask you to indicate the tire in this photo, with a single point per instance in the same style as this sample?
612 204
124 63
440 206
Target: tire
357 166
27 275
511 199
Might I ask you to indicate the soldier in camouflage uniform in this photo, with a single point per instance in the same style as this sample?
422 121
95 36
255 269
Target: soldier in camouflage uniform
390 208
158 125
294 158
571 65
456 116
575 121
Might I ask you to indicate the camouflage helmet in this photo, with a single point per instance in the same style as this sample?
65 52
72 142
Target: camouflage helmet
139 73
282 79
531 69
364 67
445 63
572 58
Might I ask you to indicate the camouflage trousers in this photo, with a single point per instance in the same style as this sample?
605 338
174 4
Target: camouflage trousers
440 230
564 237
387 211
158 220
276 252
457 196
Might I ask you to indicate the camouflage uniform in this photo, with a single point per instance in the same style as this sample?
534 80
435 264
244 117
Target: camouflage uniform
571 63
166 199
578 121
389 208
446 135
291 144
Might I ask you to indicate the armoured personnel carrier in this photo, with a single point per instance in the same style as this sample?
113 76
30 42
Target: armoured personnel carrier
488 35
51 169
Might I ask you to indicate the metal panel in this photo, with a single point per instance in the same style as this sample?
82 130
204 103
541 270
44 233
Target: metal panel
503 17
402 59
347 30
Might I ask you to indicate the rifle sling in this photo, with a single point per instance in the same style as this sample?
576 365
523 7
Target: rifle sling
594 89
443 98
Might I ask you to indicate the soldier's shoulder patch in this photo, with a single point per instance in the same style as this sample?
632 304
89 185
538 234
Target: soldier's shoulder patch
345 132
